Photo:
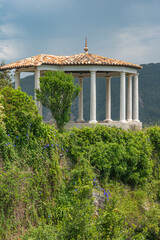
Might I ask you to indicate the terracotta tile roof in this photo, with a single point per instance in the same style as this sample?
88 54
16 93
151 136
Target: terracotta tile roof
78 59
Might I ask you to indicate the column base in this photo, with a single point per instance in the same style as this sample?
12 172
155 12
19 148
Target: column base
80 120
92 121
136 120
129 120
123 121
40 112
107 120
39 106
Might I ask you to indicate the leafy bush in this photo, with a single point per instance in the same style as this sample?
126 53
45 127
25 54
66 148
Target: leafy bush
115 153
129 214
7 151
74 208
5 77
154 137
111 223
43 232
28 189
21 113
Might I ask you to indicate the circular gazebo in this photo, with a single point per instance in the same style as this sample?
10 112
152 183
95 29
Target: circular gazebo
89 65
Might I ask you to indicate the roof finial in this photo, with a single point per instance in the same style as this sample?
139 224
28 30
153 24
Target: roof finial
86 47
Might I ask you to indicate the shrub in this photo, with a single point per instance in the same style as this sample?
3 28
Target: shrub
111 223
5 77
7 149
21 113
154 137
43 232
115 153
28 189
74 208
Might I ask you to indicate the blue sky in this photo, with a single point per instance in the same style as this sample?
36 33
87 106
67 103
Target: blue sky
126 30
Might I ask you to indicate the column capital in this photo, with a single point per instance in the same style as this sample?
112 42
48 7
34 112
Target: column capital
122 73
80 78
130 75
108 77
135 74
93 71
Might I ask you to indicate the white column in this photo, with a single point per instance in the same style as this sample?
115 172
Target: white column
129 98
93 97
108 99
37 86
135 99
17 79
123 97
80 101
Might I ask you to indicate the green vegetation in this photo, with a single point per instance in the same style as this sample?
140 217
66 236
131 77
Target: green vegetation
5 78
115 154
57 92
94 183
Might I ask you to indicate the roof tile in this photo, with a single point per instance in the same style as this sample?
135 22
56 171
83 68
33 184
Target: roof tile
78 59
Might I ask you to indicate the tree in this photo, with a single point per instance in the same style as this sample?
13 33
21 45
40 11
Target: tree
5 78
57 92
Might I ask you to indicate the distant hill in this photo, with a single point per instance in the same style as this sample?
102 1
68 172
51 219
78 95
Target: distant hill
149 95
149 92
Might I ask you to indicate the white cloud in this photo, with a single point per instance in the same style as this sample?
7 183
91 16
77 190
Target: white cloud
10 50
8 30
137 44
